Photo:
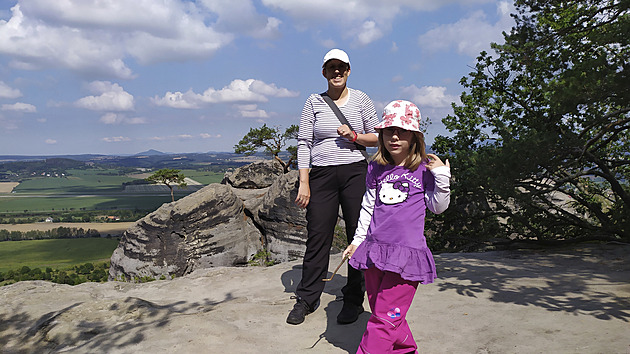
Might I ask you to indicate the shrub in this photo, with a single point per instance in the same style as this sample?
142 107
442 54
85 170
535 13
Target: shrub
261 258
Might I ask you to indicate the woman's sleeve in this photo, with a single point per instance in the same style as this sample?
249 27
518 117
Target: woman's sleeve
370 118
305 135
438 194
365 216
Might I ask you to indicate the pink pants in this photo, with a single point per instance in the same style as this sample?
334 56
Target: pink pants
390 297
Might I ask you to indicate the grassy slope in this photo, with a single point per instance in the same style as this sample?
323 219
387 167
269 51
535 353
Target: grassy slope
18 204
79 182
204 177
55 253
88 182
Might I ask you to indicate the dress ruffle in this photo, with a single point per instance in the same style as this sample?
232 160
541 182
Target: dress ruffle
413 264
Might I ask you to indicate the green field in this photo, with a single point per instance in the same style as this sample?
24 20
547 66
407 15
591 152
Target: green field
77 182
204 177
97 189
43 204
60 253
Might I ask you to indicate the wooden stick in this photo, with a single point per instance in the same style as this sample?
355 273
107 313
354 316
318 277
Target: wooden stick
336 269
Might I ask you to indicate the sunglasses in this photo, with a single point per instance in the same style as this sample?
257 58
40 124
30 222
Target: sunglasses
399 131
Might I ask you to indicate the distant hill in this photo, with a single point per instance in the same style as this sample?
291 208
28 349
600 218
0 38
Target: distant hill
150 152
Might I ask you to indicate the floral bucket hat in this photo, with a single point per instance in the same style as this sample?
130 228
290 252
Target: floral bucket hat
401 114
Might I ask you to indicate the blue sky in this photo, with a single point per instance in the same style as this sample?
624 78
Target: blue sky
121 77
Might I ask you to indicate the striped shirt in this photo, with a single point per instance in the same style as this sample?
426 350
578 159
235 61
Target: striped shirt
318 141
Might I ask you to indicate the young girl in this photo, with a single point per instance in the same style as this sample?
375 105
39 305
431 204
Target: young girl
389 243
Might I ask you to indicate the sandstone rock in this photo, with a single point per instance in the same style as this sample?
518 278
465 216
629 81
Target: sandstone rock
255 175
205 229
251 198
478 304
283 223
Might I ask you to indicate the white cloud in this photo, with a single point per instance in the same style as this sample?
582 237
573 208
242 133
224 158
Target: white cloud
184 137
112 98
246 107
209 136
471 35
7 92
116 118
259 113
116 139
50 141
241 16
246 91
32 43
19 107
429 96
178 100
95 38
6 124
362 20
251 111
369 32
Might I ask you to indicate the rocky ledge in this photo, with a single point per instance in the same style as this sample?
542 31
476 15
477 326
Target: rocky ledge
219 225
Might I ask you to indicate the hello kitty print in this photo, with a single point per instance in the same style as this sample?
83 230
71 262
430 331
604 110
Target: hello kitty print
394 193
395 189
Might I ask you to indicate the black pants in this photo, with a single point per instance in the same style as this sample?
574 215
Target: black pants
330 187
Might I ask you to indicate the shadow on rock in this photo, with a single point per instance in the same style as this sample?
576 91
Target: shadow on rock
346 337
291 278
556 280
93 327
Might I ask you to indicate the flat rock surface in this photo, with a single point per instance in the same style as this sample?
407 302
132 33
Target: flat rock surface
574 300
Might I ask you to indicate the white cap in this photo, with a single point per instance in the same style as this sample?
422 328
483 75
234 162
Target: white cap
337 54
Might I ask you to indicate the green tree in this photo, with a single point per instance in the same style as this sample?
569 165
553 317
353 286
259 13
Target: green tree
170 178
541 141
272 140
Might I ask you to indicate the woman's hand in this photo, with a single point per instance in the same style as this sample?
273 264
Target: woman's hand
435 161
349 251
304 190
344 131
303 196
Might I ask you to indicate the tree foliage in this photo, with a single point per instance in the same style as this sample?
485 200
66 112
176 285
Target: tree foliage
540 143
169 177
73 276
272 140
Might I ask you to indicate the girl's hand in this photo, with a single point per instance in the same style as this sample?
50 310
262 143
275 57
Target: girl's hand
349 251
435 161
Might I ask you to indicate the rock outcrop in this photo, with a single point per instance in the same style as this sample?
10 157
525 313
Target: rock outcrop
255 175
477 305
220 225
283 224
204 229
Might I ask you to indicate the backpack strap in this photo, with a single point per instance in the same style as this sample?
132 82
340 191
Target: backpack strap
343 120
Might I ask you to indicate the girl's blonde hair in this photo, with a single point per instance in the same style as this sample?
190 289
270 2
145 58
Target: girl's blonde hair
417 152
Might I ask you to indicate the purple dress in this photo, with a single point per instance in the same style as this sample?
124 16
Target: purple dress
395 239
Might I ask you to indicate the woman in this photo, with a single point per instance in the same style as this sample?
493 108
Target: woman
332 172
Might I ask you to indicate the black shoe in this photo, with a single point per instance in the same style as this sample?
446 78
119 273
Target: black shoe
349 313
299 312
